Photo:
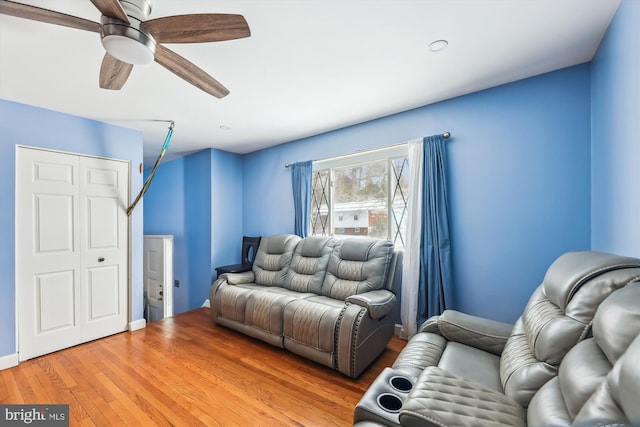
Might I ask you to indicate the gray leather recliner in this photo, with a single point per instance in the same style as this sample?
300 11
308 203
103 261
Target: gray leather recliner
504 366
229 303
327 300
597 383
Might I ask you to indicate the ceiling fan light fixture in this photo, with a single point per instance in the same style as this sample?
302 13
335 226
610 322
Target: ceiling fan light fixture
129 43
128 50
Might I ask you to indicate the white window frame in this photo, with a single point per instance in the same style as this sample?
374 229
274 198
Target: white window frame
387 153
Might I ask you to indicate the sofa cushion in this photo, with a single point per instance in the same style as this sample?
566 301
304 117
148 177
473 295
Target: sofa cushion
558 316
587 389
615 400
572 270
264 309
472 363
311 321
617 321
309 264
231 300
273 258
357 265
572 290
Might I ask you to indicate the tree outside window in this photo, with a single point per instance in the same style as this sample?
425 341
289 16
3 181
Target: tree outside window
368 196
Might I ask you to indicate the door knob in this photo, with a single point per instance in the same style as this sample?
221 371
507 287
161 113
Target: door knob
101 259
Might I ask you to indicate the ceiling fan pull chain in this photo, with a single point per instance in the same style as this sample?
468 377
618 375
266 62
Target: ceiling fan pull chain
147 183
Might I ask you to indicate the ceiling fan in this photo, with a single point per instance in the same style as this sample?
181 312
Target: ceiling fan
129 38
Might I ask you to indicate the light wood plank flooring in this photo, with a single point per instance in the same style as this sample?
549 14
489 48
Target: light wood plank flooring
187 371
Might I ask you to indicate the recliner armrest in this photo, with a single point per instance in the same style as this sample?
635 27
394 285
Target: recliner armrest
485 334
240 278
378 303
441 398
430 325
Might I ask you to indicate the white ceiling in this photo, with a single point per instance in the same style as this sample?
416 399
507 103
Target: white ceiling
309 66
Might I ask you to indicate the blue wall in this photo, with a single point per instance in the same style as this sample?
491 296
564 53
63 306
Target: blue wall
226 209
615 92
37 127
197 199
165 213
519 180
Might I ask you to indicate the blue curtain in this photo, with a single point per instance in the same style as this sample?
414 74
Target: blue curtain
434 292
301 185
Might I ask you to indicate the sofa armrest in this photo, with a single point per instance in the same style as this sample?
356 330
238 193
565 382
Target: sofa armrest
378 303
485 334
430 325
240 278
443 399
363 329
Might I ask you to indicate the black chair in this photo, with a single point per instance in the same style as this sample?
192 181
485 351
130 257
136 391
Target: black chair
249 249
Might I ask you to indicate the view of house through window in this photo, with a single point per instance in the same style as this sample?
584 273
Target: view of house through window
364 194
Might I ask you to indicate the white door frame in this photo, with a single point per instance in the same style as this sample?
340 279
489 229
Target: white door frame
128 292
166 242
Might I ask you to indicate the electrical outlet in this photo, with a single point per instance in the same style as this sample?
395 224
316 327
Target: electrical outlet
176 283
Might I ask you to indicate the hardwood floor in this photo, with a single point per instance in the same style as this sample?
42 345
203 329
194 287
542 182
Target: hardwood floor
187 371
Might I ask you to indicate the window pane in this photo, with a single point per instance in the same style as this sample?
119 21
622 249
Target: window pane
360 200
399 195
363 199
320 203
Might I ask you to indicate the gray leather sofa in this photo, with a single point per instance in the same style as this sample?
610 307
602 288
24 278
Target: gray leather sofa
325 299
572 358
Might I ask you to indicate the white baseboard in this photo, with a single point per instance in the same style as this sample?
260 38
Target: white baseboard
137 324
397 330
8 361
206 303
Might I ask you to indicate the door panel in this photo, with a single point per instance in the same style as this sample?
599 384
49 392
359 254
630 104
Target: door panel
47 252
72 249
102 177
103 287
54 223
103 223
53 172
55 302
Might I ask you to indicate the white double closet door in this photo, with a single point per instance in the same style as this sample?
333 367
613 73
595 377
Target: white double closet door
71 249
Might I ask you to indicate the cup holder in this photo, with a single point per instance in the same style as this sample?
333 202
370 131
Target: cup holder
389 402
401 384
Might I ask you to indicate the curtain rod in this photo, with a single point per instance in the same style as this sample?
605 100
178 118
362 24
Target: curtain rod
445 135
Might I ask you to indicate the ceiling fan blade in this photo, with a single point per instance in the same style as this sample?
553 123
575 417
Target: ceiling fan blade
45 15
111 9
198 28
113 72
189 72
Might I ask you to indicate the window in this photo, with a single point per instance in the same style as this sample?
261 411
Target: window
365 192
